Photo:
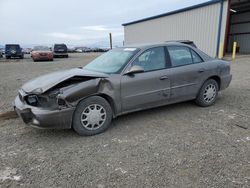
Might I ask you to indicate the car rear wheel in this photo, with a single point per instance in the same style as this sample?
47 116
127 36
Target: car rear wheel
208 93
92 116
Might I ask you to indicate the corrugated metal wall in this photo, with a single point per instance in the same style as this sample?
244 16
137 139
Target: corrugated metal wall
237 27
199 25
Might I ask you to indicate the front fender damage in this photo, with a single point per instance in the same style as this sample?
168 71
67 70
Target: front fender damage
80 91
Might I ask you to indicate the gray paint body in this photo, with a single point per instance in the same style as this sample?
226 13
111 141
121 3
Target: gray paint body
125 92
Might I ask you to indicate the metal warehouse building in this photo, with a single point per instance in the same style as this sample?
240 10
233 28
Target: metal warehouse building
207 24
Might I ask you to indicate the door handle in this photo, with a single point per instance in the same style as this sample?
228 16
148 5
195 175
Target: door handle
163 78
201 70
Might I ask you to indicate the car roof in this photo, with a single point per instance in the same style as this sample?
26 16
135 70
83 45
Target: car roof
12 45
150 45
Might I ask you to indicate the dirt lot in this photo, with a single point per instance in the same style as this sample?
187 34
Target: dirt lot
179 145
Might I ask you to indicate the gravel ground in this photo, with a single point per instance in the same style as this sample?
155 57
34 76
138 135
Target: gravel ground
180 145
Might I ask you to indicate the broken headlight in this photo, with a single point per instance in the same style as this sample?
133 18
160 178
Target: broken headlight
32 100
61 102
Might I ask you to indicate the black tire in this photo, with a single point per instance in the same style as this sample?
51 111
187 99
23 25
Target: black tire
82 106
202 99
7 57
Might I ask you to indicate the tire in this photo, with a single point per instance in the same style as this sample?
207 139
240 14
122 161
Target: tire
7 57
208 93
88 127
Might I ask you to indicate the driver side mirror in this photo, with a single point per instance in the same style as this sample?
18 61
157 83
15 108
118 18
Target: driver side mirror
135 69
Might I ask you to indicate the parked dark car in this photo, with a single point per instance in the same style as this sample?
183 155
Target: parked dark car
99 50
2 50
121 81
60 50
13 50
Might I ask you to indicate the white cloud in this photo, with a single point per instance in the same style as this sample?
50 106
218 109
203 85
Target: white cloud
65 36
99 31
95 28
100 28
86 34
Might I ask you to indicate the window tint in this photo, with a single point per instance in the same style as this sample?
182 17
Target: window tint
196 57
152 59
180 56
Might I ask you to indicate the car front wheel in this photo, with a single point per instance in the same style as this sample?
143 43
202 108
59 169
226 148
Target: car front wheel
92 116
208 93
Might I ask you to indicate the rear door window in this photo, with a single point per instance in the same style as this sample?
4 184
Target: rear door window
179 56
196 57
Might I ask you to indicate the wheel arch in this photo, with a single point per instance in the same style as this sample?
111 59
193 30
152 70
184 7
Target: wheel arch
110 101
216 78
106 97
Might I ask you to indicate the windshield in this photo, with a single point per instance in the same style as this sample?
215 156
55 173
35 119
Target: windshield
112 61
41 48
12 47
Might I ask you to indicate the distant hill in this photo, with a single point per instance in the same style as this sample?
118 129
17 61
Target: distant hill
104 43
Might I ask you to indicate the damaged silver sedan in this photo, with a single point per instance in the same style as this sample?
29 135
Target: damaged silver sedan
120 81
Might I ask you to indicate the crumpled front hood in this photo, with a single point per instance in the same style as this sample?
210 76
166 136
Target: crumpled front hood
43 83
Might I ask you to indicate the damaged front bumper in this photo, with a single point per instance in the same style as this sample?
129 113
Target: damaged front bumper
44 118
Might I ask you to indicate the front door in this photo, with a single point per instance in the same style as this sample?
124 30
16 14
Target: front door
149 88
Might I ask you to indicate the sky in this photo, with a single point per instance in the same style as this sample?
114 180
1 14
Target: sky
76 22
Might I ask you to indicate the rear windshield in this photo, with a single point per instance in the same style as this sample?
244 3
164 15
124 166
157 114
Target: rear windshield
60 46
41 48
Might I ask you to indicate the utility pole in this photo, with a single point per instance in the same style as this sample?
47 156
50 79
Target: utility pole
110 40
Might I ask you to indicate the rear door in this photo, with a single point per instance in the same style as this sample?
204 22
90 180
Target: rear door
150 88
187 71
